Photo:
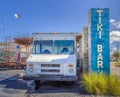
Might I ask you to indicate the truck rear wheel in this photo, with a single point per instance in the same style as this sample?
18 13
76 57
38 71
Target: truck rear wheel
37 84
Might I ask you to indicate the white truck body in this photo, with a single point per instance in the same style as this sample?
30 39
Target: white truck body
53 57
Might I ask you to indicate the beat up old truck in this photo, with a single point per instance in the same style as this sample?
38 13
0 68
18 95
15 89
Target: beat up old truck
53 58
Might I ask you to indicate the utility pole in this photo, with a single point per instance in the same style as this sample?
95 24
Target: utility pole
19 48
4 32
19 16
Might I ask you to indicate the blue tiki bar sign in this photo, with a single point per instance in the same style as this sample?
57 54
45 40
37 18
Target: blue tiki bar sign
100 47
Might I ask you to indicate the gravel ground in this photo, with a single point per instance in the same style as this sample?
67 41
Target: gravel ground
11 86
115 70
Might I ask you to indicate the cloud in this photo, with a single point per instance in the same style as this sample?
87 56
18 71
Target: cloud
118 25
114 36
112 20
115 33
115 23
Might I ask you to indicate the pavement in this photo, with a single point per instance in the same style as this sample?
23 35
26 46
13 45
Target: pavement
10 86
13 86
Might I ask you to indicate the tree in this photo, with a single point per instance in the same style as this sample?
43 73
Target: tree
116 55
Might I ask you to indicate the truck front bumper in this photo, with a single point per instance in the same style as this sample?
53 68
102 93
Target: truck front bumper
50 77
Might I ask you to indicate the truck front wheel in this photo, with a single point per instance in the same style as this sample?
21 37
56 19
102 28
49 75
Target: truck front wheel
70 82
37 84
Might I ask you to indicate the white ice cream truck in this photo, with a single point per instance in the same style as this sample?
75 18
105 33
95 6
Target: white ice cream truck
53 58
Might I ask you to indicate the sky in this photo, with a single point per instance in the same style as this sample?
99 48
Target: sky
53 16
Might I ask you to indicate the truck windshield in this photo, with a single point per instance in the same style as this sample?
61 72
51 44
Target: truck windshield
64 47
43 47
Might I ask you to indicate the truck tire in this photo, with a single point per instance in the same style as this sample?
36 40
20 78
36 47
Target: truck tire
37 84
70 82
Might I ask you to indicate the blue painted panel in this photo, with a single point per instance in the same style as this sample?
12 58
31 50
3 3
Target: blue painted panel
103 41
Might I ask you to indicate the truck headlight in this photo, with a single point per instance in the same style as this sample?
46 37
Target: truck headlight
70 68
30 67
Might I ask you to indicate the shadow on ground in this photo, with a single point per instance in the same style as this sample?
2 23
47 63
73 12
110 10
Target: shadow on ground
46 86
13 83
60 87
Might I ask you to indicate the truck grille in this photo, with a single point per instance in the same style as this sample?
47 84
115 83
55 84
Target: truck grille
50 68
50 65
46 70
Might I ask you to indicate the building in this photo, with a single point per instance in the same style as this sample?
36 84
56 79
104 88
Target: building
84 50
9 51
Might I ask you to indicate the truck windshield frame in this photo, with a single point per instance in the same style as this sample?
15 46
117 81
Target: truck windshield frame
43 47
54 47
64 46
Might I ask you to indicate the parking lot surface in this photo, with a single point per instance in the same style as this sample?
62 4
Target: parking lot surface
13 86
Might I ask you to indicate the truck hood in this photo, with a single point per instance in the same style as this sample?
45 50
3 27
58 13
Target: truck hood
51 58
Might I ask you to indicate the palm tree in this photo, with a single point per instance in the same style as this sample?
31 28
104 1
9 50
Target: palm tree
116 55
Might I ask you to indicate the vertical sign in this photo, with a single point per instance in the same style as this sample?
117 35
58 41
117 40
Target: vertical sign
100 48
